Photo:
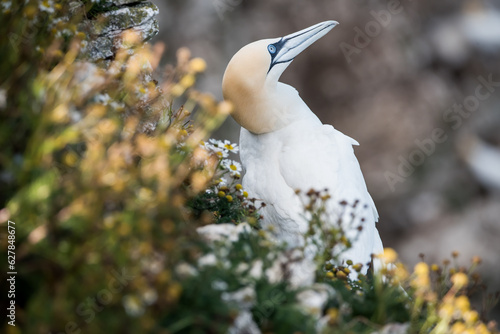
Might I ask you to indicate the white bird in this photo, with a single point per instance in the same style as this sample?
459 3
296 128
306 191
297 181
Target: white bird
284 147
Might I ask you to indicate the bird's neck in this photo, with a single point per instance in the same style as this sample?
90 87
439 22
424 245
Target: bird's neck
269 107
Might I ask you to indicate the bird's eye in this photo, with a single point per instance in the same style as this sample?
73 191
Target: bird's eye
272 49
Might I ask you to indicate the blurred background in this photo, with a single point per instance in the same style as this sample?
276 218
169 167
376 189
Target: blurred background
416 83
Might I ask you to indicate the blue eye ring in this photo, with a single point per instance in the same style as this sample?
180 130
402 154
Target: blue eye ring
271 48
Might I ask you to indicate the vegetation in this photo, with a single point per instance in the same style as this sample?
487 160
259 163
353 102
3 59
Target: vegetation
115 191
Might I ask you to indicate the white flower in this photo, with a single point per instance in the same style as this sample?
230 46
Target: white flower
216 143
219 285
133 306
217 147
150 296
220 232
118 106
291 266
245 297
185 270
242 267
47 6
222 182
244 323
231 147
207 260
234 167
256 271
314 299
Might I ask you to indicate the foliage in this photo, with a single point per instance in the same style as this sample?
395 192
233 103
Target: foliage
116 194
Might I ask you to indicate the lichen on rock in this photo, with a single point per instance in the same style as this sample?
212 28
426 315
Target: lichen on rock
107 21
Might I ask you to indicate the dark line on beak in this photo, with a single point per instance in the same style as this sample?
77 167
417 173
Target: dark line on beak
283 41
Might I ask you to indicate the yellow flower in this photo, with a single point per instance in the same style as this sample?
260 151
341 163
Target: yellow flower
229 198
357 267
459 280
197 65
421 269
422 276
221 194
435 267
187 81
239 187
446 311
177 90
333 314
329 274
462 303
341 275
471 317
400 273
458 328
389 255
245 194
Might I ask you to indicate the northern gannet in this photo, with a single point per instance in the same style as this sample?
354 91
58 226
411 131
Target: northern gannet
284 147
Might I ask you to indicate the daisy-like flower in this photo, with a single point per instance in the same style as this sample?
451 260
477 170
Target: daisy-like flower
216 143
232 166
222 182
231 147
47 6
217 147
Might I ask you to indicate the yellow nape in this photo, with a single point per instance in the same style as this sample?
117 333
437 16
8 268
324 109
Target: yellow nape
247 87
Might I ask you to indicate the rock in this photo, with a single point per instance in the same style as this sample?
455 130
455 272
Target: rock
99 48
114 18
107 3
115 21
88 77
104 23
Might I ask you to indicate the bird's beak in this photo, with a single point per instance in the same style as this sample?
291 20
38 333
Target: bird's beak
290 46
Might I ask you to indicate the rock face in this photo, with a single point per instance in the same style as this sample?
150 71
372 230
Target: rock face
104 24
107 20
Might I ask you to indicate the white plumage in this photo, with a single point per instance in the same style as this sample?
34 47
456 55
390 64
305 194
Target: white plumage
285 147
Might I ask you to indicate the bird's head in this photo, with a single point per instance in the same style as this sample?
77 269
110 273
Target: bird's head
252 74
